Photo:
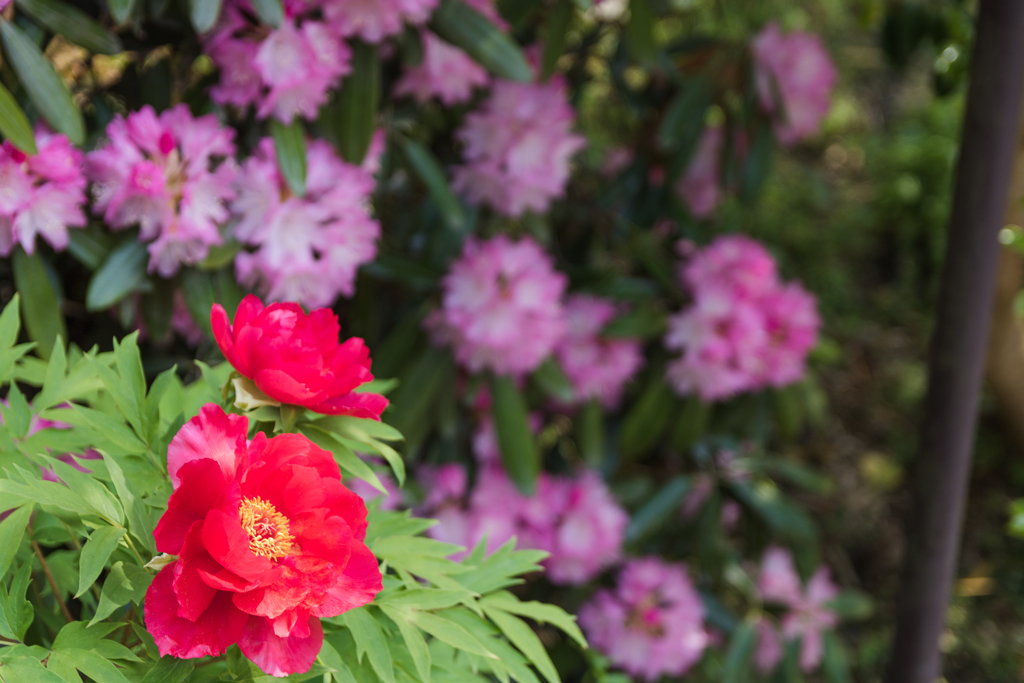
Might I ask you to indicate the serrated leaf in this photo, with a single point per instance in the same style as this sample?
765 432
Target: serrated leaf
343 455
135 511
432 174
169 669
14 125
44 320
16 613
523 637
10 323
290 148
203 14
95 553
501 568
370 641
124 583
539 612
123 272
73 24
12 530
515 439
450 632
25 669
47 493
357 104
464 27
95 494
414 642
45 89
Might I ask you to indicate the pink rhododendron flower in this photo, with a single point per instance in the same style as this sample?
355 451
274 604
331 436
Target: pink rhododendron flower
171 176
375 20
285 71
40 194
501 306
808 616
798 67
768 652
575 519
182 323
446 72
391 500
485 439
652 624
745 329
700 186
310 247
518 146
598 367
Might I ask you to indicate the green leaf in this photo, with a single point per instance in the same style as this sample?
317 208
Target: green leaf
590 438
269 11
555 32
95 554
25 669
17 414
489 46
45 89
16 613
758 164
643 322
681 126
538 611
343 455
837 669
290 147
448 631
737 657
122 273
414 642
658 510
123 583
169 670
73 24
204 14
135 511
691 424
14 125
44 320
501 568
12 530
95 494
550 377
518 449
132 378
47 493
852 604
78 636
120 9
783 517
432 174
523 637
370 640
356 115
89 246
95 666
788 411
10 323
425 598
640 32
645 423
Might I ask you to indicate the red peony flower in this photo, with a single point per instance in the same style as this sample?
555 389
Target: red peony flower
296 358
268 541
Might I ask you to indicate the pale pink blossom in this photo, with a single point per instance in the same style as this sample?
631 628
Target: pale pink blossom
375 20
446 72
589 533
171 175
308 248
485 438
40 194
745 329
284 71
768 652
809 615
797 67
700 186
518 147
652 624
598 367
501 306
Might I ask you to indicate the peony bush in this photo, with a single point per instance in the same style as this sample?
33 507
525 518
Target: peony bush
378 340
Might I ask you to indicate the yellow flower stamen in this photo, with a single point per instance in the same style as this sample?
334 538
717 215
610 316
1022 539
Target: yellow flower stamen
267 528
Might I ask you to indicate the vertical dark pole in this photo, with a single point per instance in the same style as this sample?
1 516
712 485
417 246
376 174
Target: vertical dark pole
959 341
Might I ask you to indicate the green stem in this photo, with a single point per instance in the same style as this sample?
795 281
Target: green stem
142 563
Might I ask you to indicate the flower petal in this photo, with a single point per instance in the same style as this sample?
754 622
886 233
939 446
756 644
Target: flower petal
360 581
279 656
203 487
211 434
357 405
228 543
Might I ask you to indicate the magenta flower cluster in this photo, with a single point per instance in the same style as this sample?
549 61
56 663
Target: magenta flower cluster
308 248
575 519
795 77
745 330
517 147
40 194
651 624
807 617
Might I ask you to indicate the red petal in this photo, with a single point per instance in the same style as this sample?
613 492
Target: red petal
279 385
357 405
356 587
203 487
194 594
286 592
281 452
225 339
228 543
210 434
217 628
279 656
